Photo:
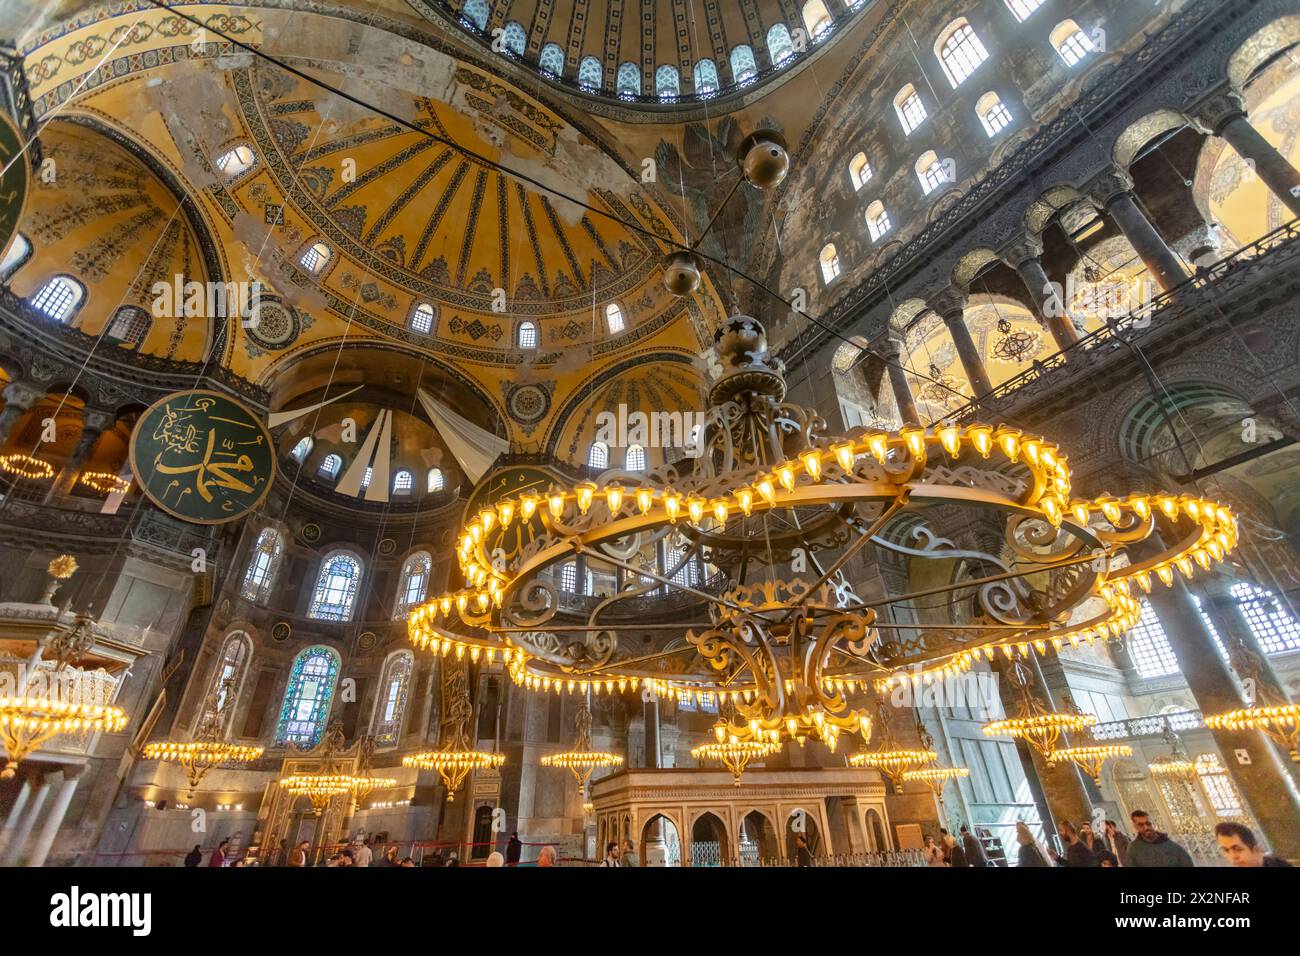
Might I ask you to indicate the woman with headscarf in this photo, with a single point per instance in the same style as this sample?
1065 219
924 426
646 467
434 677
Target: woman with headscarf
1031 853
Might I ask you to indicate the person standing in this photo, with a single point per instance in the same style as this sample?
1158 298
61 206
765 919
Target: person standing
299 855
1030 852
953 851
1119 840
973 848
514 849
802 855
611 855
218 857
933 853
629 857
361 853
1153 848
1241 847
194 857
1077 852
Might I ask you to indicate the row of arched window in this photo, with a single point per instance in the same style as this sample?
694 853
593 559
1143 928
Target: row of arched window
783 45
960 53
673 561
332 464
633 460
338 582
309 693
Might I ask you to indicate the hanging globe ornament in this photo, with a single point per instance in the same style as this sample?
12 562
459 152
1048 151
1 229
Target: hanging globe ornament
682 271
763 158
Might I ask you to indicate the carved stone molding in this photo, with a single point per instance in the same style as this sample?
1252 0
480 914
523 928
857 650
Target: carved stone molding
1108 185
949 302
1217 110
1022 249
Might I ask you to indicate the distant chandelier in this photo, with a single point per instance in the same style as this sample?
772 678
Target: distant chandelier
889 758
941 389
1171 766
732 752
105 482
792 657
456 757
1035 724
321 788
207 750
1089 759
1280 723
582 760
1013 346
25 466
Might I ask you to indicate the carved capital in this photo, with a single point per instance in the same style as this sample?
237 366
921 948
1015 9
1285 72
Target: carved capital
949 302
891 348
22 396
95 421
1217 110
1108 185
1021 249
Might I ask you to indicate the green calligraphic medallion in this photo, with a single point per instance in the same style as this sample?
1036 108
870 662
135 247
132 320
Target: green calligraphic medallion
510 482
202 457
14 182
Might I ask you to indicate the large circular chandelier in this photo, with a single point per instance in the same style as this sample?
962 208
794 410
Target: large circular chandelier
772 488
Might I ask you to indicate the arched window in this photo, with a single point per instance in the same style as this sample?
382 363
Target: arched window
421 319
1218 786
569 579
552 59
1021 9
598 455
910 109
526 337
307 699
413 583
706 78
668 84
629 81
860 171
390 705
1071 42
614 318
228 676
635 458
830 262
315 257
329 466
590 73
514 38
779 45
1271 620
878 220
817 19
263 564
20 250
743 65
302 449
336 587
403 482
993 113
681 570
931 172
434 480
960 51
1148 646
476 12
365 479
236 160
130 325
60 298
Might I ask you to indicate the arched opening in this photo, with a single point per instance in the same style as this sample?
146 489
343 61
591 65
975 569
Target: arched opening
802 822
709 841
661 844
876 831
758 841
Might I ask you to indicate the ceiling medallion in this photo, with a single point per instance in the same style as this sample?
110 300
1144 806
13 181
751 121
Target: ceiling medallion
1013 346
773 488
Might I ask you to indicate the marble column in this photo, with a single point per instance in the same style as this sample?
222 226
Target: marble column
1223 114
1112 191
1024 256
15 814
655 851
24 829
19 397
892 350
950 304
54 820
93 424
1248 755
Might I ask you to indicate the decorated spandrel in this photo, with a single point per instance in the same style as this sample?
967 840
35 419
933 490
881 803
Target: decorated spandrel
203 457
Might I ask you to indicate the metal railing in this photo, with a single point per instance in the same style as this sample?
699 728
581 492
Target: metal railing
1152 726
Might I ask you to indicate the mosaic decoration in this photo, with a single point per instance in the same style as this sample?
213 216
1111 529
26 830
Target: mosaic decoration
307 698
277 325
527 404
13 186
202 457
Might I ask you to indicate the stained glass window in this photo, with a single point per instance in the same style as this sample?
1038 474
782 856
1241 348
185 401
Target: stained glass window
779 45
552 59
413 583
262 565
629 80
513 38
668 83
590 73
307 698
336 587
391 704
706 78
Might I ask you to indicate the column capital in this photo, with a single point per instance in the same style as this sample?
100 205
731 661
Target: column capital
1108 185
97 420
949 302
1021 249
891 347
22 395
1218 109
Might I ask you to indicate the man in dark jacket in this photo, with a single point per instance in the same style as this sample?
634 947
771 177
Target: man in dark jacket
802 855
1153 848
974 849
1077 852
1118 839
513 850
1240 846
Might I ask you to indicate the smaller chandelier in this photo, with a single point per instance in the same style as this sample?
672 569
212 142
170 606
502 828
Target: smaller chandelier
321 788
25 466
105 482
453 766
1036 725
891 760
200 756
936 777
1173 767
582 760
28 722
1090 759
1280 723
732 752
1013 346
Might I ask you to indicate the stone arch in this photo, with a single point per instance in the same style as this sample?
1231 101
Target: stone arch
671 837
970 265
1142 131
706 824
877 835
760 829
1050 202
1261 47
812 830
905 313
